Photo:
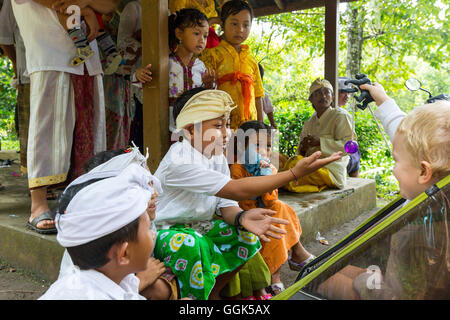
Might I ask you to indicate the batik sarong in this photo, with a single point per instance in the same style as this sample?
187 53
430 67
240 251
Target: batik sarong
197 259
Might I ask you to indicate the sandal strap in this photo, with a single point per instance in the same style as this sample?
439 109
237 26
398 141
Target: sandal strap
47 215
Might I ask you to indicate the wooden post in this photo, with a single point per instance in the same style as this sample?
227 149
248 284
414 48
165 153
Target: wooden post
332 44
155 51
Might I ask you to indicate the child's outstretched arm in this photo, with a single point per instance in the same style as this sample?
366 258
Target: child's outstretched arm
388 111
247 188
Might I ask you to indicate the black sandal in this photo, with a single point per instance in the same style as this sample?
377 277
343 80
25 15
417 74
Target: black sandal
47 215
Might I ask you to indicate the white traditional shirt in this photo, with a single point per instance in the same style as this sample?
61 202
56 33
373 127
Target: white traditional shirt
92 285
48 45
334 128
190 182
10 35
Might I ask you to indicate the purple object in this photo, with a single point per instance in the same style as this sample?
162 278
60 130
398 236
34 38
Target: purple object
351 146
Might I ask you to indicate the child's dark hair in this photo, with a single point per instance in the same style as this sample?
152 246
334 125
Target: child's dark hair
94 254
233 7
253 125
183 98
244 128
185 18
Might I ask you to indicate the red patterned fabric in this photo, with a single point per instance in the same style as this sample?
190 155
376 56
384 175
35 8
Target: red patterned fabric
83 135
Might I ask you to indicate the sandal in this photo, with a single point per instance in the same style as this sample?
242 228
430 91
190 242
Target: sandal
83 54
275 288
47 215
112 63
295 266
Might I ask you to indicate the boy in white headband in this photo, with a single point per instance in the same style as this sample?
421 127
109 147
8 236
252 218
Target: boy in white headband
156 282
106 230
204 253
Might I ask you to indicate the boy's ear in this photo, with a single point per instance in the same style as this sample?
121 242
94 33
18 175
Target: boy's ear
122 253
426 172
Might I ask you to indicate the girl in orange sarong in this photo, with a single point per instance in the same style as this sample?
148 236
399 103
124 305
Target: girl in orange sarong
236 69
256 153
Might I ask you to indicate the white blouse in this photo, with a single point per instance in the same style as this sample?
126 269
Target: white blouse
190 182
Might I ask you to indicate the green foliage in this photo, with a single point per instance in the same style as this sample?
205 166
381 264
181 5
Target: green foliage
7 101
290 119
402 39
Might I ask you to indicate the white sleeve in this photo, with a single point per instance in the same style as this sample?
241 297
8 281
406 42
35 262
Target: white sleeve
7 24
390 116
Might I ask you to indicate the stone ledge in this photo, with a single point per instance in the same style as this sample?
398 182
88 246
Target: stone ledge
328 209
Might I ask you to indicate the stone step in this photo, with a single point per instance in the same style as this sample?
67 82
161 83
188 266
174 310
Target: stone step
326 210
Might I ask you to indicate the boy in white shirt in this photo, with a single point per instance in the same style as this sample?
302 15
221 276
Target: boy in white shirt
203 253
106 230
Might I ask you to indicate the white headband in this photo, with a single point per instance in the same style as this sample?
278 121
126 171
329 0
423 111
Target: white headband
105 206
116 165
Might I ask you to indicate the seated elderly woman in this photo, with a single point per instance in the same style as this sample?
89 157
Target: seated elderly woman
327 131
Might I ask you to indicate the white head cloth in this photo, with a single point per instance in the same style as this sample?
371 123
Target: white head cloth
114 166
105 206
205 105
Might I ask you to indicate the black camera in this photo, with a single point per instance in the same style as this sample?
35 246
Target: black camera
364 98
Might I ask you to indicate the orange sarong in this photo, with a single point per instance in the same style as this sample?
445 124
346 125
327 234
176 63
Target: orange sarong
246 81
275 252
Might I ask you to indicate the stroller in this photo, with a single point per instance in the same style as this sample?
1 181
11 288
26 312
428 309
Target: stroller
401 252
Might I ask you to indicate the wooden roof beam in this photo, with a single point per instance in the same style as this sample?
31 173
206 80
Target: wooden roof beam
290 6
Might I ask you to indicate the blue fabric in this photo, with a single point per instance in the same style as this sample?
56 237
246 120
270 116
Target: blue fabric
253 160
354 161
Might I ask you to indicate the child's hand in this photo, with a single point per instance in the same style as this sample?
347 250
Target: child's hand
377 92
155 269
312 163
144 74
264 164
311 141
209 78
260 222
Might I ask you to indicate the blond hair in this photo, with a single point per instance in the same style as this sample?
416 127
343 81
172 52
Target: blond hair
427 136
